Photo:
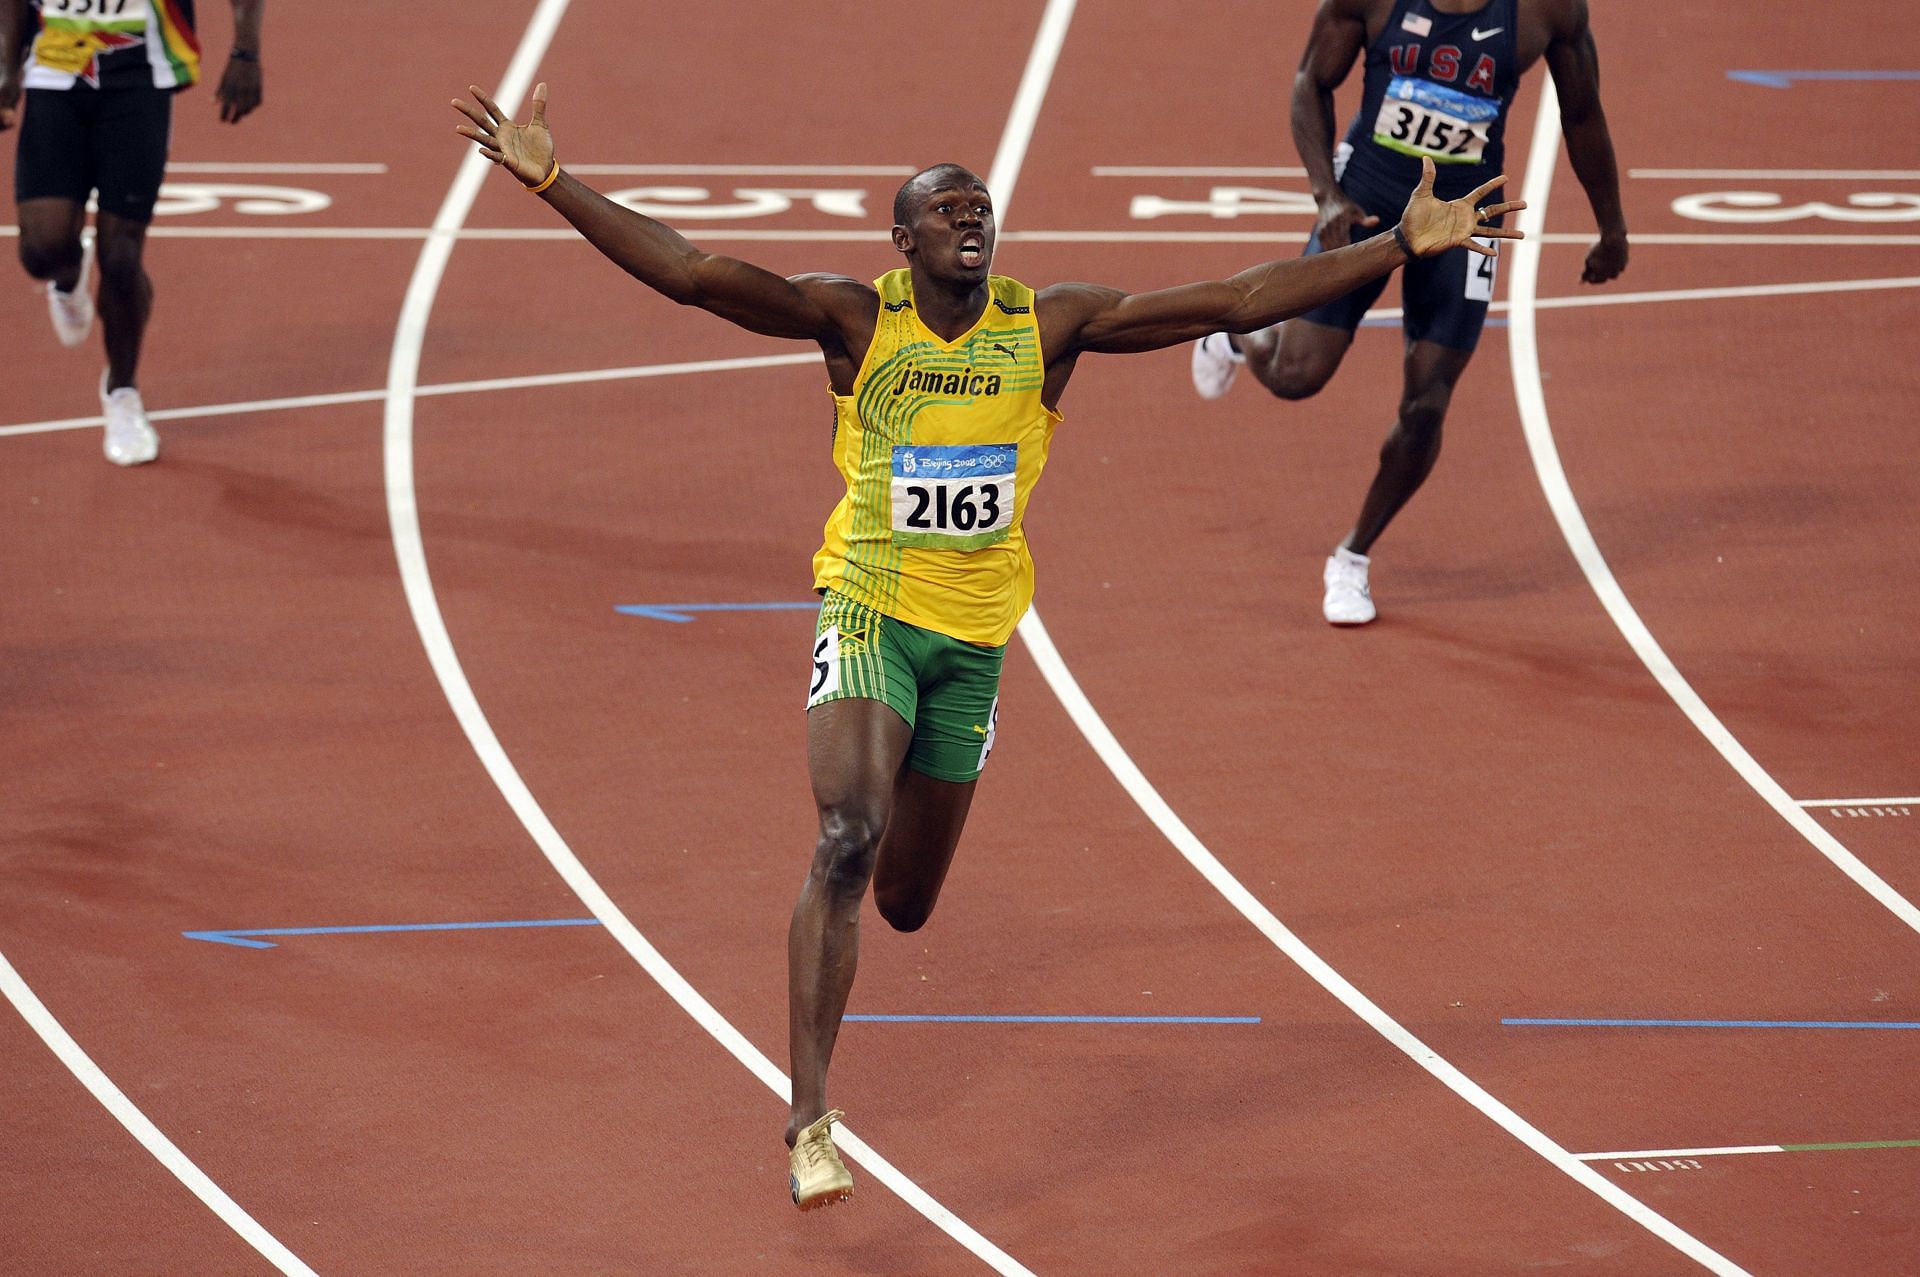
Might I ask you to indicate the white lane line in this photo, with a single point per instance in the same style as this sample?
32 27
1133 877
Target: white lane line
1033 632
1660 1154
1141 790
180 166
1722 294
631 373
1191 170
1530 393
770 361
124 1111
706 234
1781 174
410 551
746 170
1858 802
1011 154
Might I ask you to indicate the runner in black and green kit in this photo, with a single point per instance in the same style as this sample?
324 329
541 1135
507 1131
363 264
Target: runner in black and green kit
99 78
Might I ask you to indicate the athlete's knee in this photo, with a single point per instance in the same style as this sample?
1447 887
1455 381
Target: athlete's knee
843 859
1422 414
121 268
903 909
1298 367
1294 383
48 258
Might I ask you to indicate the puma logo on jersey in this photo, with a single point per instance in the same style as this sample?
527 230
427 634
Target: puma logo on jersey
1011 352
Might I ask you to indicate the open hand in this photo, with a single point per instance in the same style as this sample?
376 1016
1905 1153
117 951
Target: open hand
1433 226
524 150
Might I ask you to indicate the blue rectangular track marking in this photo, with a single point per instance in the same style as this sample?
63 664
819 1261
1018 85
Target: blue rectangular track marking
1057 1019
241 939
1717 1024
678 612
1785 79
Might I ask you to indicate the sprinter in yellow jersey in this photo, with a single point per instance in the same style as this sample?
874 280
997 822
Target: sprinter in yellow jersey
946 383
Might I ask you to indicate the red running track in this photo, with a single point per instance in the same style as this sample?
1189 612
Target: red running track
220 713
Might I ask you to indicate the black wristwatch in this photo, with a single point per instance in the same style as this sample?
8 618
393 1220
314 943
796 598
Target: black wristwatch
245 55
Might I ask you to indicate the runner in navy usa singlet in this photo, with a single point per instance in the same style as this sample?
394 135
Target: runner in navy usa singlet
1437 84
1439 78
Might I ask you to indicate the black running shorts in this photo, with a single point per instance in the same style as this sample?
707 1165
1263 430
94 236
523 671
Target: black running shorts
1444 298
76 141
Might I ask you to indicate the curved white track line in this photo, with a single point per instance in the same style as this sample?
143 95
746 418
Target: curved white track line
1141 790
124 1111
1104 743
1530 391
409 549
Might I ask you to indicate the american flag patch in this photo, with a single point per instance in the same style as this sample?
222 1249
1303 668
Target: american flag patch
1415 23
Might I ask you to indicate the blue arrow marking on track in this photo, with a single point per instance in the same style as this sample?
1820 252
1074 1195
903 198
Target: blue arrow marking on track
1785 79
677 612
239 939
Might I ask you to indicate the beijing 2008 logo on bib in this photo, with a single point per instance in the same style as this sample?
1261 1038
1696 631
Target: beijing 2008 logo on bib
953 498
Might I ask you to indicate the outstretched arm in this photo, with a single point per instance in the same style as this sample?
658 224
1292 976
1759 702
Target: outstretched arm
1078 317
1339 33
814 307
1576 78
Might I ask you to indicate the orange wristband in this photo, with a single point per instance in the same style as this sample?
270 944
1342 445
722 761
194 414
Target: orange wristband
546 181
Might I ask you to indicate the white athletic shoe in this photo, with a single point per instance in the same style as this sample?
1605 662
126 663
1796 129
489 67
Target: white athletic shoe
73 312
1348 601
1215 364
131 439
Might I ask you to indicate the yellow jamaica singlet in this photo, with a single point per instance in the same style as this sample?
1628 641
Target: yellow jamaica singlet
940 444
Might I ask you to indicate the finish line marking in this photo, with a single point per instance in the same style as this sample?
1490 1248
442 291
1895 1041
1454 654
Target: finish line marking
1714 1024
241 940
677 612
1664 1154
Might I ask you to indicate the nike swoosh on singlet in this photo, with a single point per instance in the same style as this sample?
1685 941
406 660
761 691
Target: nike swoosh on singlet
1478 34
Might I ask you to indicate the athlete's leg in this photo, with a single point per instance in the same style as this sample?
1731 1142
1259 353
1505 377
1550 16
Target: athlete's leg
1296 359
855 748
126 294
917 848
1406 458
129 150
50 240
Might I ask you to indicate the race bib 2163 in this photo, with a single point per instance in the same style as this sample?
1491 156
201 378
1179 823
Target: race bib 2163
954 497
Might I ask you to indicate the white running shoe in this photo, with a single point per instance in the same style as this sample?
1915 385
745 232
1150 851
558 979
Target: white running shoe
1348 601
73 312
1215 364
131 439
